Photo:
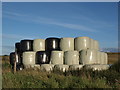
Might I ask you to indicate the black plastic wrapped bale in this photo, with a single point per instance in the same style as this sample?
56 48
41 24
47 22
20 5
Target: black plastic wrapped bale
17 47
12 58
52 44
26 45
42 57
16 56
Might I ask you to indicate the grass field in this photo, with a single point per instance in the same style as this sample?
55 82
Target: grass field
30 78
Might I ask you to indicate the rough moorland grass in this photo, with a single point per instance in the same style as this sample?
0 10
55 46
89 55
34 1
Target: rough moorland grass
31 78
50 80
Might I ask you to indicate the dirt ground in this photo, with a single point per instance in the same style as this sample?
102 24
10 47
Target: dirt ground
113 57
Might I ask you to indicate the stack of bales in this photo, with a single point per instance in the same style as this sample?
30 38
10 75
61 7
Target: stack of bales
59 53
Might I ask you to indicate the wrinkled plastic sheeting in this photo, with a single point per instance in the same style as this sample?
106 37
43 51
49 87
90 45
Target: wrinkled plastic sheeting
91 43
75 67
96 45
37 66
97 67
67 44
52 44
47 67
104 58
61 67
71 57
29 58
32 66
17 47
98 57
38 44
82 43
57 57
88 56
42 57
15 56
26 45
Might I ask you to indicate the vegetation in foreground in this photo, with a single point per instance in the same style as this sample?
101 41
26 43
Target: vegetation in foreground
31 78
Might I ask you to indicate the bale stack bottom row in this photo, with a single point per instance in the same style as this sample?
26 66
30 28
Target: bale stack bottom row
59 53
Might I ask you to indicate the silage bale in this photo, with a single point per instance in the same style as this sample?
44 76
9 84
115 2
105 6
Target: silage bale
29 58
88 56
52 44
61 67
75 67
104 58
97 67
71 57
91 43
42 57
26 45
57 57
47 67
39 45
98 57
67 44
96 45
82 43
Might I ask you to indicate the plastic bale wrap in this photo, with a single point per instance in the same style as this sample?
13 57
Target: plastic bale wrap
88 56
17 47
97 67
91 43
98 57
71 57
61 67
26 45
29 58
96 45
104 58
67 44
47 67
75 67
52 44
16 57
39 45
82 43
42 57
57 57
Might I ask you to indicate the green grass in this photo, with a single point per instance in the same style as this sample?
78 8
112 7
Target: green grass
31 78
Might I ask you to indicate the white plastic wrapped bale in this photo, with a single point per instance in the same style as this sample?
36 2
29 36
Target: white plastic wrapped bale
75 67
71 57
98 57
29 58
67 44
61 67
82 43
97 67
32 66
37 66
56 57
96 45
91 43
88 56
47 67
39 45
104 57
